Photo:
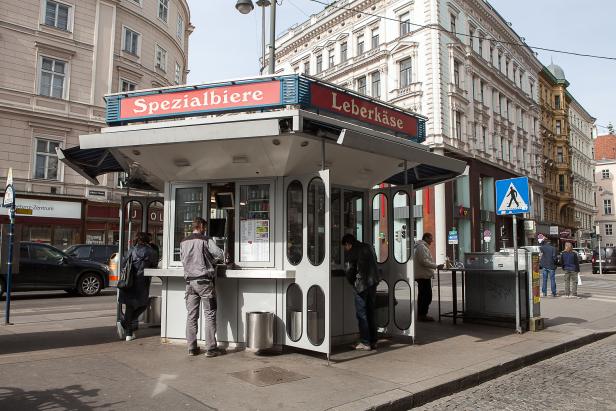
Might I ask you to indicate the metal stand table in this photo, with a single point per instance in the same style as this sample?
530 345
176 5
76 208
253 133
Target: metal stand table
455 314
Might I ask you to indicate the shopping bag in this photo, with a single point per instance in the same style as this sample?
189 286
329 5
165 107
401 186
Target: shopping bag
579 279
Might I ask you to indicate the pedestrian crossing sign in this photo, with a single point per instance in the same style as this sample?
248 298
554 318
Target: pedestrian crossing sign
512 196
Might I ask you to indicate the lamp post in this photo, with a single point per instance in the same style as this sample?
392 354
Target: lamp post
245 7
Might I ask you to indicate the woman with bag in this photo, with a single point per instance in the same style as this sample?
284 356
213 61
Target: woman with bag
136 294
571 264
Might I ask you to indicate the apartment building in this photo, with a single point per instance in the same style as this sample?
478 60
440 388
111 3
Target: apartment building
605 173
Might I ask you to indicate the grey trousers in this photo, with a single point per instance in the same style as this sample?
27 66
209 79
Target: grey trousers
205 293
571 277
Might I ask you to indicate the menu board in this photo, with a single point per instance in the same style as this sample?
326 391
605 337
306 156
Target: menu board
254 240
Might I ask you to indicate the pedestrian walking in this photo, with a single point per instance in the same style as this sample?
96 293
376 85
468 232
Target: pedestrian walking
362 273
547 262
137 296
424 267
571 264
199 255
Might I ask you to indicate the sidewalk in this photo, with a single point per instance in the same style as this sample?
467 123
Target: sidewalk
79 364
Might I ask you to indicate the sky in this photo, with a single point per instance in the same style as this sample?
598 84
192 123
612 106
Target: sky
227 44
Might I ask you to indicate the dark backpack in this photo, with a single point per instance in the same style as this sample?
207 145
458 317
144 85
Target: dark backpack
127 272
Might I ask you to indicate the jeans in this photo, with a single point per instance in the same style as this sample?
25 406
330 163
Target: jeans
424 297
130 315
571 277
544 281
365 304
198 291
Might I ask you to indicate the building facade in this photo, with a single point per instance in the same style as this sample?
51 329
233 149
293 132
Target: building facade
60 58
453 62
605 173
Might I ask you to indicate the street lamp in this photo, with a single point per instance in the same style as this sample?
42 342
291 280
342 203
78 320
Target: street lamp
245 7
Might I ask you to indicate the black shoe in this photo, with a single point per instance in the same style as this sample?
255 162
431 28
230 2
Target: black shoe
194 351
212 353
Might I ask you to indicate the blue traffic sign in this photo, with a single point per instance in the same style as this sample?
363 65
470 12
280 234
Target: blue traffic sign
512 196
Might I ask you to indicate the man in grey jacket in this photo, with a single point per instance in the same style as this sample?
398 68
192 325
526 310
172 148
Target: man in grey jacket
199 255
424 267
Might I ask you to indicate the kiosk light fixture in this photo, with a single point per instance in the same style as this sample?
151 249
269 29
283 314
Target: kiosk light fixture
244 6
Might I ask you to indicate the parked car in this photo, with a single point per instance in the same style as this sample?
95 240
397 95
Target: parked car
92 252
584 254
43 267
608 260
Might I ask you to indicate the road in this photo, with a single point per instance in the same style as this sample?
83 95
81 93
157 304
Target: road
583 379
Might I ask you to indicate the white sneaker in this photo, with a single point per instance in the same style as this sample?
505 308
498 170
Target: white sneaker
363 347
130 337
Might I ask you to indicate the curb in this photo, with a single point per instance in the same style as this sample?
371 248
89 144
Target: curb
409 400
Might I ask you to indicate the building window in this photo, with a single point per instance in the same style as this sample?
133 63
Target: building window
607 206
180 28
484 135
480 46
453 23
361 85
481 90
319 63
376 84
307 67
46 161
405 24
53 74
405 73
57 15
559 155
131 41
471 37
458 120
605 174
126 85
608 230
163 10
456 73
557 102
178 73
558 127
375 38
343 52
161 58
331 58
360 45
561 183
500 61
507 67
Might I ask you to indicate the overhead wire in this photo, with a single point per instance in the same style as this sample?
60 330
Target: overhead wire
439 28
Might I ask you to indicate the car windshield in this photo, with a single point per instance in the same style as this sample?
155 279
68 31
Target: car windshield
44 253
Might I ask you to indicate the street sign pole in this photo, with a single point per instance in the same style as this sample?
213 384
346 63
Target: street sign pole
518 328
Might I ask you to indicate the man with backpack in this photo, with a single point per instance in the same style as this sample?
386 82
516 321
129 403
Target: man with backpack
199 255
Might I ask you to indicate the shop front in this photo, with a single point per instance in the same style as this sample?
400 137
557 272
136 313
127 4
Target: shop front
279 181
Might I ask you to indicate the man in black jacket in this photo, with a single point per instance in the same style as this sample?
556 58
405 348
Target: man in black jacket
362 273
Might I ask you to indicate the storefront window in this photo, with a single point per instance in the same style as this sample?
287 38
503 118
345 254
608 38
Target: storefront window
316 221
380 229
336 229
64 237
402 226
188 205
353 214
295 217
36 234
255 223
155 224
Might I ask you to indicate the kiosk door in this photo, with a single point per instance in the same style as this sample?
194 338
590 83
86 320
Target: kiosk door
307 244
392 237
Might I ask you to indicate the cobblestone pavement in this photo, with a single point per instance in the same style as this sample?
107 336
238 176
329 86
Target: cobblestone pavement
583 379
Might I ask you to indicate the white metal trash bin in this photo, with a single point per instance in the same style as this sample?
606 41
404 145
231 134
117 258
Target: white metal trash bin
259 330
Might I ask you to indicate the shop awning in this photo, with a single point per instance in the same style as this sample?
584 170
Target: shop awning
93 162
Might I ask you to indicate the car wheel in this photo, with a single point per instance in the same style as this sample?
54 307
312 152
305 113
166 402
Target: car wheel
90 284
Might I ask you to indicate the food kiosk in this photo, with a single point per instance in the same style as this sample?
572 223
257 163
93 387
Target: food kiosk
281 167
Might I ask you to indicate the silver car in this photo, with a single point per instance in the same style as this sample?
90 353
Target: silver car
584 254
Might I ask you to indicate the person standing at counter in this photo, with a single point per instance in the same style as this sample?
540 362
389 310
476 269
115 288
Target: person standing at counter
571 264
137 296
199 255
424 267
362 272
549 258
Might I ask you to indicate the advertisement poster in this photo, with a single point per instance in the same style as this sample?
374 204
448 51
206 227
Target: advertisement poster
254 240
536 278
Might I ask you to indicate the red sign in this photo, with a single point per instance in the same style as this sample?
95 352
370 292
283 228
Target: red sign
201 100
360 109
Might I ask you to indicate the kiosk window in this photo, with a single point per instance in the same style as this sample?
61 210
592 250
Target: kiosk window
188 205
316 221
336 227
402 225
380 229
255 223
295 217
353 214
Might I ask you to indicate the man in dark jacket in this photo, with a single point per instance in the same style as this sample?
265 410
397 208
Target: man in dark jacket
136 297
362 273
199 255
571 264
549 258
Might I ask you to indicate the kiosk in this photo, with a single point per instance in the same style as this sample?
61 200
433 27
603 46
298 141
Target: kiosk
281 167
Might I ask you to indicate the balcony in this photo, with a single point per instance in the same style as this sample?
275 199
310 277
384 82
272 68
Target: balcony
412 89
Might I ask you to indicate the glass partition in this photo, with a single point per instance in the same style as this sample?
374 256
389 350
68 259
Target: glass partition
402 308
353 214
294 312
255 223
380 229
316 221
133 222
155 225
336 227
188 205
402 225
316 315
295 217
